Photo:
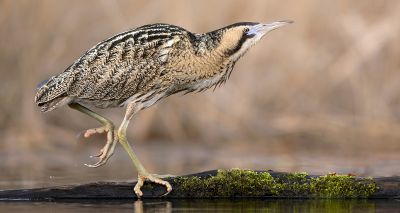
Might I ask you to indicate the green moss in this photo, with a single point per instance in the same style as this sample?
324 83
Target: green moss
230 183
295 185
239 183
342 186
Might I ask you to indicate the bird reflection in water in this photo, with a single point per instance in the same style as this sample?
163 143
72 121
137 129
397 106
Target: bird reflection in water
139 206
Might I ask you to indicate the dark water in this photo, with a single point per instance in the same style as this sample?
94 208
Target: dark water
56 168
178 205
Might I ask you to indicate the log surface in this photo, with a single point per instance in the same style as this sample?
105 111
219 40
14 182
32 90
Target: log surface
388 188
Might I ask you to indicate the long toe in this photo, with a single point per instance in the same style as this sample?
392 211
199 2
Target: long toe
107 151
152 178
88 133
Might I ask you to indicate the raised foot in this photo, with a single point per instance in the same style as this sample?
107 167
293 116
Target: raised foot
152 178
108 149
94 131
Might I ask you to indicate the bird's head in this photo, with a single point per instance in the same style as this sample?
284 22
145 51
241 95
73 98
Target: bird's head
236 39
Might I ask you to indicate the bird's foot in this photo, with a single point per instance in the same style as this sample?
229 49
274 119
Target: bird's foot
93 131
152 178
107 151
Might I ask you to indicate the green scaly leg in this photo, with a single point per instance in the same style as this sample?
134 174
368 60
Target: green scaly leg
143 175
108 149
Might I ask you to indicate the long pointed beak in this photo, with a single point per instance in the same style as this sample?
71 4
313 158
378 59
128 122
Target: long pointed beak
262 29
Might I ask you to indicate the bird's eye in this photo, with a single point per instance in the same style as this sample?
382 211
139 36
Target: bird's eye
246 33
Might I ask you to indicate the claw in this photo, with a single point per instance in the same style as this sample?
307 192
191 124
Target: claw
151 178
100 153
98 164
96 156
107 151
104 156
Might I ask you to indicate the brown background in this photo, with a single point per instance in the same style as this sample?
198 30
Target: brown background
320 95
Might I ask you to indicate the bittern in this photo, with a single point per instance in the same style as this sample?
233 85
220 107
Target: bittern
138 68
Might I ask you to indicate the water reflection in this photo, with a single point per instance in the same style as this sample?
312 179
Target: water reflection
141 206
216 205
259 205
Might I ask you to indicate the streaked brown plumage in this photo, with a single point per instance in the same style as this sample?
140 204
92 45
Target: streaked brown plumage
137 68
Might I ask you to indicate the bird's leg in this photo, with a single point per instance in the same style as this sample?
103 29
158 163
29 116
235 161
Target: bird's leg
143 175
108 149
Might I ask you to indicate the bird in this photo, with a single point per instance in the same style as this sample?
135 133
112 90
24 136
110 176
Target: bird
139 67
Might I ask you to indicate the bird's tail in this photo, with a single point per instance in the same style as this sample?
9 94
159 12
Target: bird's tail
50 94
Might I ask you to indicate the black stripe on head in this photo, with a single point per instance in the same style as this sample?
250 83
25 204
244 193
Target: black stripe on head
241 24
239 44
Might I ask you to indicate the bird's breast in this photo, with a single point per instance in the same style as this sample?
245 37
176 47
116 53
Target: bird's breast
204 82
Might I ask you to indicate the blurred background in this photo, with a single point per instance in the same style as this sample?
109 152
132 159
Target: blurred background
321 95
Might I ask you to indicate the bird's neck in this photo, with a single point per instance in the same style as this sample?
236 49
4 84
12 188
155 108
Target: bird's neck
214 68
211 54
205 64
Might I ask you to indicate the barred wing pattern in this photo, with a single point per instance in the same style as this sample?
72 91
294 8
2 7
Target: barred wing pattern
117 68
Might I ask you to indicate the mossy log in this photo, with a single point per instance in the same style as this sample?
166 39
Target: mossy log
234 183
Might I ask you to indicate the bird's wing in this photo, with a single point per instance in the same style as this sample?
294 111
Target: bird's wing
123 62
